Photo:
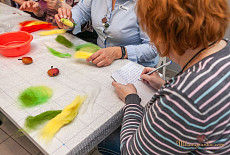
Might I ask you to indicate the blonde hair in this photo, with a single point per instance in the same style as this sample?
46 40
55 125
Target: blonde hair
183 24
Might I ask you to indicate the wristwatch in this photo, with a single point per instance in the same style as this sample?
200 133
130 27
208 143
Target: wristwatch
123 52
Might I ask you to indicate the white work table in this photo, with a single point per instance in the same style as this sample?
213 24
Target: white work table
101 116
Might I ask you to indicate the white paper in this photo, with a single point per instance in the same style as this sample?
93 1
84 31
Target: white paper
130 73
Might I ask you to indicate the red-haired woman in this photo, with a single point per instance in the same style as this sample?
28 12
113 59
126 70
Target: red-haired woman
189 114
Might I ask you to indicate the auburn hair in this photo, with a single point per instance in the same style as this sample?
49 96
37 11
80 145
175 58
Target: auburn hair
183 24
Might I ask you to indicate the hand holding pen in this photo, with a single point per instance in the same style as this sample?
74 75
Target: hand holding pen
151 76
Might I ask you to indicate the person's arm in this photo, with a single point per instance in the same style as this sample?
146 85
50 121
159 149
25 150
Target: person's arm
56 4
20 2
153 79
32 6
163 129
81 13
144 52
65 5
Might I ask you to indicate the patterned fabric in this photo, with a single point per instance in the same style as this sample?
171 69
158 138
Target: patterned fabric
189 114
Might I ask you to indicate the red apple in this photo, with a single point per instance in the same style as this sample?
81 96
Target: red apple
26 60
53 71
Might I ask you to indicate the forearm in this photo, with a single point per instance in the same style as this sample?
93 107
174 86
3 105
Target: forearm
20 2
66 6
142 53
133 113
81 13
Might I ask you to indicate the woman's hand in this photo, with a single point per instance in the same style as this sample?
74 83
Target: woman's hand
30 6
105 56
124 90
63 13
153 79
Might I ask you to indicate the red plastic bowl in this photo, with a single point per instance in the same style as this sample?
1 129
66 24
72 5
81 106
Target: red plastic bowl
13 44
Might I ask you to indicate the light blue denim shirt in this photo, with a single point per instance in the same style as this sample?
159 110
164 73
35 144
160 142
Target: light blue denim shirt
124 29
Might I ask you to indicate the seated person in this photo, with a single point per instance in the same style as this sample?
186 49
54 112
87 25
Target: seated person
45 10
118 31
189 114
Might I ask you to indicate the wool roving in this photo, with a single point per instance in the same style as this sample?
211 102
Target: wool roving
33 122
35 95
66 116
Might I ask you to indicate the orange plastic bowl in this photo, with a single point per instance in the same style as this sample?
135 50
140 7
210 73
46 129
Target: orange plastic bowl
13 44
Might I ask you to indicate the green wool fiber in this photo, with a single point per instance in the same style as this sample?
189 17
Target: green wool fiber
58 54
33 122
62 40
87 47
35 95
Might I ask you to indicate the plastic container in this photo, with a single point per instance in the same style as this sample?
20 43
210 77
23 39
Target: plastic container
13 44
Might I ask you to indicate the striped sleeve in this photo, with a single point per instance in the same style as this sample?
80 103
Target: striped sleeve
189 114
169 126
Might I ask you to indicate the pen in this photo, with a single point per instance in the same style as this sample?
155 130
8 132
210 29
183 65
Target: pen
166 64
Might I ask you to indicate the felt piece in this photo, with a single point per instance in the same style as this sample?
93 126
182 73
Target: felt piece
32 22
87 47
66 116
35 95
62 40
34 28
82 54
58 54
67 22
50 32
33 122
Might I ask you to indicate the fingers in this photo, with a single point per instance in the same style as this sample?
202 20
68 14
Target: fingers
62 12
114 83
22 7
28 5
102 57
58 21
146 70
94 56
69 14
117 85
97 59
146 77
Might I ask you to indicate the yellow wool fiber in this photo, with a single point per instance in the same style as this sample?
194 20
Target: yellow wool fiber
36 23
82 54
65 117
67 22
50 32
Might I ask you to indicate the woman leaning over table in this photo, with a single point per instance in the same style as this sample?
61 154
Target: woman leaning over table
118 31
193 108
45 8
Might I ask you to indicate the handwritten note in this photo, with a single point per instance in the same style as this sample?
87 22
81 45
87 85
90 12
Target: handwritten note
130 73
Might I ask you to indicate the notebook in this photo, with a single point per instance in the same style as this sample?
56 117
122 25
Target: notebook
130 73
